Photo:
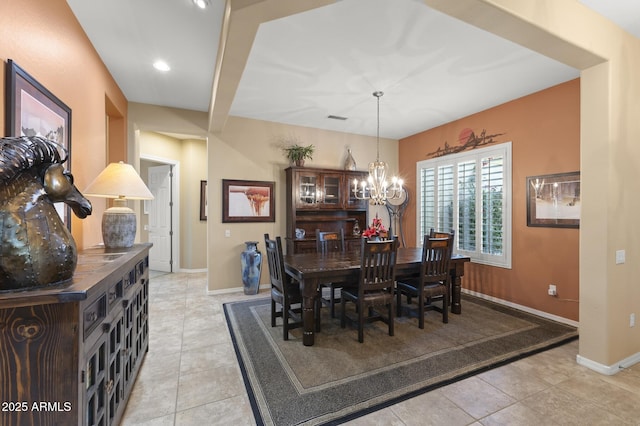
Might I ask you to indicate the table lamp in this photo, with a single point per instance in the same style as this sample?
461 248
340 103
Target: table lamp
121 182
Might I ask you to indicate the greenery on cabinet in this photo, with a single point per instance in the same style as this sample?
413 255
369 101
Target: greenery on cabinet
297 153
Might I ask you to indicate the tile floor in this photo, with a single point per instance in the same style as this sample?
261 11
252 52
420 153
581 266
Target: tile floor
190 377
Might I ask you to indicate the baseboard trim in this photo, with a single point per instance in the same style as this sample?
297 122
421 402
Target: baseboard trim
192 271
608 370
524 308
236 290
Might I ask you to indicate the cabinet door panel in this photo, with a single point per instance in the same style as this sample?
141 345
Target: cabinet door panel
115 384
96 379
353 244
331 193
305 247
307 190
32 337
351 202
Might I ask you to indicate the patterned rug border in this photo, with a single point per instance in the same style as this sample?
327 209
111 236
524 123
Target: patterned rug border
263 412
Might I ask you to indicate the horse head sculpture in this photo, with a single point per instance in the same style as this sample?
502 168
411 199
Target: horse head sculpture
36 248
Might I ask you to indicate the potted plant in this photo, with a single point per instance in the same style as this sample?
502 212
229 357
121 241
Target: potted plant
298 153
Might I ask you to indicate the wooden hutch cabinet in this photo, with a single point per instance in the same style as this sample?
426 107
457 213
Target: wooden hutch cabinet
322 199
70 353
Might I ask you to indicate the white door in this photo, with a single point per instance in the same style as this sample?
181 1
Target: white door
160 233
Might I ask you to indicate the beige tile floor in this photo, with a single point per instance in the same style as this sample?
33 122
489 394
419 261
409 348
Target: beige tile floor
190 377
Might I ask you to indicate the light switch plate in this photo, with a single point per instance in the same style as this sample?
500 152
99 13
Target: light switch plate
620 255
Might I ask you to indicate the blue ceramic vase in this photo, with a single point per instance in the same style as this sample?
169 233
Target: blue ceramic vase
251 261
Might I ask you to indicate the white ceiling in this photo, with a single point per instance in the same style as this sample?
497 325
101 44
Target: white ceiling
129 35
328 61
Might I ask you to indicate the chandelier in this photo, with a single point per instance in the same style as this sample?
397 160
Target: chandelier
376 188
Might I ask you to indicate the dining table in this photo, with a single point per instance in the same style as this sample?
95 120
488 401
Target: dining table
313 269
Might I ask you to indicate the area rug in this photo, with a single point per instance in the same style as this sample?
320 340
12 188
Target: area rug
339 379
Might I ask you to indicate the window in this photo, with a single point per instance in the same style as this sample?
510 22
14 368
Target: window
471 193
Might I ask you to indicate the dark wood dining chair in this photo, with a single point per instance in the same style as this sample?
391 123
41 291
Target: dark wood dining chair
330 242
442 234
375 285
433 282
284 291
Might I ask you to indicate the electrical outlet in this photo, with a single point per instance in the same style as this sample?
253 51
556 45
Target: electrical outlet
227 233
553 291
632 320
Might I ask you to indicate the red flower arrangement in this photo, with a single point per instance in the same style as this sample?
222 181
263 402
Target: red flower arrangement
376 229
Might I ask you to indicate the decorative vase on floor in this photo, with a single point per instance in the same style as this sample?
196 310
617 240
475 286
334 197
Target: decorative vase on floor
251 261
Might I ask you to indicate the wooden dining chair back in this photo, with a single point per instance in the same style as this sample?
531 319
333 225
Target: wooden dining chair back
441 234
433 282
330 242
285 294
375 285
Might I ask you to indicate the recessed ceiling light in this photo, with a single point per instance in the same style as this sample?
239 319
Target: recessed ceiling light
202 4
161 65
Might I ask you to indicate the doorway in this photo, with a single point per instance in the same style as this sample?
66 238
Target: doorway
160 218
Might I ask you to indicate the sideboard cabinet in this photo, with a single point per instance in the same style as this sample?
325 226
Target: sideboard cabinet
322 199
70 353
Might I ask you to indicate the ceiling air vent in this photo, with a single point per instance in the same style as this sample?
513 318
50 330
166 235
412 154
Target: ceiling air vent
336 117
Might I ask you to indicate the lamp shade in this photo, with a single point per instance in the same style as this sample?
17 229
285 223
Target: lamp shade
122 182
119 180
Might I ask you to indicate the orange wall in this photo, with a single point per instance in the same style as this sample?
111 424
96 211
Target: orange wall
544 129
45 39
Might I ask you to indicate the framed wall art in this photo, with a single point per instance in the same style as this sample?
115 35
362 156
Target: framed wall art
248 201
32 110
554 200
203 200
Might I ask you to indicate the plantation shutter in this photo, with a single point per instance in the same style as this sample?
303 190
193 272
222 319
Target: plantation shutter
427 196
467 205
469 192
445 198
492 182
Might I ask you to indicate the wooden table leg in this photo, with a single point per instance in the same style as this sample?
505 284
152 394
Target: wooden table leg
456 274
309 294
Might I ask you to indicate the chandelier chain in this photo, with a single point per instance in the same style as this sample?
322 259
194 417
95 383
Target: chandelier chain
378 95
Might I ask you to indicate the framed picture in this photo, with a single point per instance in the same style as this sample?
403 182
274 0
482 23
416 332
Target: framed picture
32 110
248 201
203 200
554 200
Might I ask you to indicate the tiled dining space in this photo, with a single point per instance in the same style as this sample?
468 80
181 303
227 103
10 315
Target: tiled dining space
190 376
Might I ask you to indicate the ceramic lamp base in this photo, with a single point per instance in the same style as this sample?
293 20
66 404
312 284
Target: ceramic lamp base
119 227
